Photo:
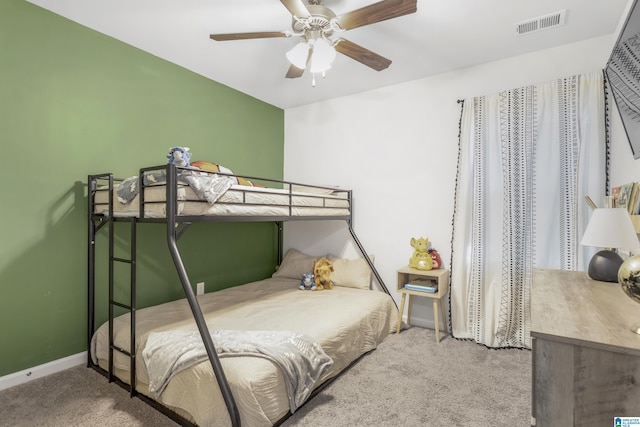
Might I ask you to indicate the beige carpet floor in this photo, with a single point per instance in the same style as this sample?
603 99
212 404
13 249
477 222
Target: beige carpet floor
408 381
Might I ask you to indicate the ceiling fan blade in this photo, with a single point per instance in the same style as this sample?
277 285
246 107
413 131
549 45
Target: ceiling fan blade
362 55
245 36
376 12
296 8
294 72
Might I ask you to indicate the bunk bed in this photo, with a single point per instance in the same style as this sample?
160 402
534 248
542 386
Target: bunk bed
166 354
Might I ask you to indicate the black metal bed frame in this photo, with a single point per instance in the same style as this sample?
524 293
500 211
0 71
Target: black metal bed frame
176 225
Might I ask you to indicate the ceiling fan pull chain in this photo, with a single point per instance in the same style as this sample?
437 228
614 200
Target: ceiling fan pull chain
313 79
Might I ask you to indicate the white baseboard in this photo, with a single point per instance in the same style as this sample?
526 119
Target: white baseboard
422 314
40 371
420 322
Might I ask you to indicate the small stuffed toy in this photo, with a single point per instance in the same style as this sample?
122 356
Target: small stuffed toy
307 282
322 270
179 156
421 259
437 260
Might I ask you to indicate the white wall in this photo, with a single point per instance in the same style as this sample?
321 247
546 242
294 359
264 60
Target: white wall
396 148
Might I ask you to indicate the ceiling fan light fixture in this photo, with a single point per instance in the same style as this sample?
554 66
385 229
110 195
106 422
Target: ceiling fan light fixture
298 55
323 56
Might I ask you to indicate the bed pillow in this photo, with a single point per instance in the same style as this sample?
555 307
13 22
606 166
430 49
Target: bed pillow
210 167
294 265
351 273
215 167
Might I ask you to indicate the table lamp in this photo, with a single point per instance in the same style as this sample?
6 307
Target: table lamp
609 228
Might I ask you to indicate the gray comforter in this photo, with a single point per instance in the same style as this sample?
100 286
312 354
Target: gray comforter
208 187
300 358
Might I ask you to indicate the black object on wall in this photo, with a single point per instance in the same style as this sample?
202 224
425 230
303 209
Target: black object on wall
623 74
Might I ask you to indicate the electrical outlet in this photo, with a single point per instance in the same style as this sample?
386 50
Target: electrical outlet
200 288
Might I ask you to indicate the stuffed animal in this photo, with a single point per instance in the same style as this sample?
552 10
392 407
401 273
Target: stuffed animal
437 260
421 258
179 156
322 270
307 282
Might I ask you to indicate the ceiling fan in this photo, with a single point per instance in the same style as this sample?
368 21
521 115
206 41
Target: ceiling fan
316 24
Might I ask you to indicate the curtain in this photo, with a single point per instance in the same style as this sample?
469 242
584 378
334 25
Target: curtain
527 157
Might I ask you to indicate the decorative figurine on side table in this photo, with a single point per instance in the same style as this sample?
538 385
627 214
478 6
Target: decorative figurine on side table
421 258
424 257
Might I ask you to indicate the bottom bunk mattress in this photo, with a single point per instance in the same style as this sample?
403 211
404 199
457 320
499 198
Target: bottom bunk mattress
345 322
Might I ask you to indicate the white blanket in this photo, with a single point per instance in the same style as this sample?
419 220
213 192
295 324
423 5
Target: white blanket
300 358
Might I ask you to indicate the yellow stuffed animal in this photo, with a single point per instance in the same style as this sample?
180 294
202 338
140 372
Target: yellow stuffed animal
421 258
322 270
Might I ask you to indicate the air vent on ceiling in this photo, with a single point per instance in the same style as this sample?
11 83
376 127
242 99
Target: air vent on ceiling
541 23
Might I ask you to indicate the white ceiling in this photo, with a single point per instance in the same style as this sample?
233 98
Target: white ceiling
443 35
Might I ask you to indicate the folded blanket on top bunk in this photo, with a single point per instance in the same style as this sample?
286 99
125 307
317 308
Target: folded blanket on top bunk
208 187
299 357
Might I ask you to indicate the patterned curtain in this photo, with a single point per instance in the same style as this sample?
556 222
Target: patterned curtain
527 157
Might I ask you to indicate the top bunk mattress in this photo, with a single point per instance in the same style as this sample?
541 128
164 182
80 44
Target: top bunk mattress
237 200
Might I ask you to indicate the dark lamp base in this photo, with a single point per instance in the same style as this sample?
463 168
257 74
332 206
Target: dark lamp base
604 266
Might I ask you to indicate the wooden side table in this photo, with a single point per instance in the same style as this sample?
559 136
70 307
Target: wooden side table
441 277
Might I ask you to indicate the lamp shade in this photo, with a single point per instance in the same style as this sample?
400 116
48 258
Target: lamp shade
323 56
298 55
610 228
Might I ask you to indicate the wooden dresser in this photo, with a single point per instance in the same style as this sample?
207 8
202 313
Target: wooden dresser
586 360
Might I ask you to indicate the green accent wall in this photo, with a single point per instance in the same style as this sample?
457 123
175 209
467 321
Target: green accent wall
75 102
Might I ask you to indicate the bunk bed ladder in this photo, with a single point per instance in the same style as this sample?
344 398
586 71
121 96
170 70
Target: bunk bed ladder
131 307
93 228
172 237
